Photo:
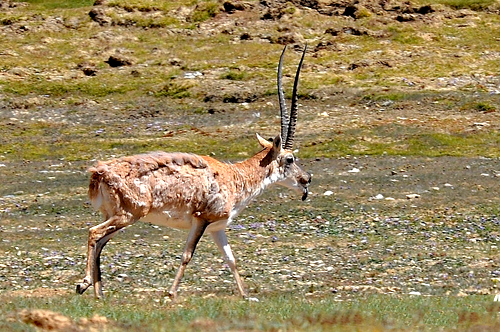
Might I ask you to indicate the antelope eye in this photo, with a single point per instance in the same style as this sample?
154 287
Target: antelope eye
289 159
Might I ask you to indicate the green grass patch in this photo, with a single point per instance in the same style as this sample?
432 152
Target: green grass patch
93 88
141 21
484 107
48 141
392 96
41 141
234 75
106 83
466 4
61 4
404 34
405 141
290 312
177 89
205 10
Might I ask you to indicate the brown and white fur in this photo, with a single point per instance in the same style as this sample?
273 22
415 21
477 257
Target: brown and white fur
188 191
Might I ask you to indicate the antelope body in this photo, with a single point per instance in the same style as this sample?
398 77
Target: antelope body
188 191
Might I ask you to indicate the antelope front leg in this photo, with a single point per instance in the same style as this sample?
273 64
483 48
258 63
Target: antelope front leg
220 239
98 237
197 230
87 281
93 271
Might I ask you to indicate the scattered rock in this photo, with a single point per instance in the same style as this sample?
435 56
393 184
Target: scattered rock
367 63
118 61
326 45
98 15
356 65
192 74
8 4
245 36
412 196
357 11
18 71
72 23
290 38
348 31
88 69
240 97
277 11
406 18
233 6
427 9
176 62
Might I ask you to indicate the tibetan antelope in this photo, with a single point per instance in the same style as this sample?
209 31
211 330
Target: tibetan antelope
188 191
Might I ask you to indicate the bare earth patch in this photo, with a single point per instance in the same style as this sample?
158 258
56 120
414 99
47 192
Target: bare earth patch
48 320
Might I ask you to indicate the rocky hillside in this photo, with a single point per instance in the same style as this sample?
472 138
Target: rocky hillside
370 66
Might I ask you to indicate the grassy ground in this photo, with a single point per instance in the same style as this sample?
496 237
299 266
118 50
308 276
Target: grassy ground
398 124
350 260
285 312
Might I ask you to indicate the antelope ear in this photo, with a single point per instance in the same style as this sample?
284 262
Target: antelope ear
277 143
264 142
276 149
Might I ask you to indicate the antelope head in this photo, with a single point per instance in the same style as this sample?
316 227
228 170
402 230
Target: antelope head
289 174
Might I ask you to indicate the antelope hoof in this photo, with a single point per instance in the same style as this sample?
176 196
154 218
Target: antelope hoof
172 295
81 288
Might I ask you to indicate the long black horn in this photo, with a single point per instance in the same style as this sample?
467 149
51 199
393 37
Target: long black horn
293 111
281 96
